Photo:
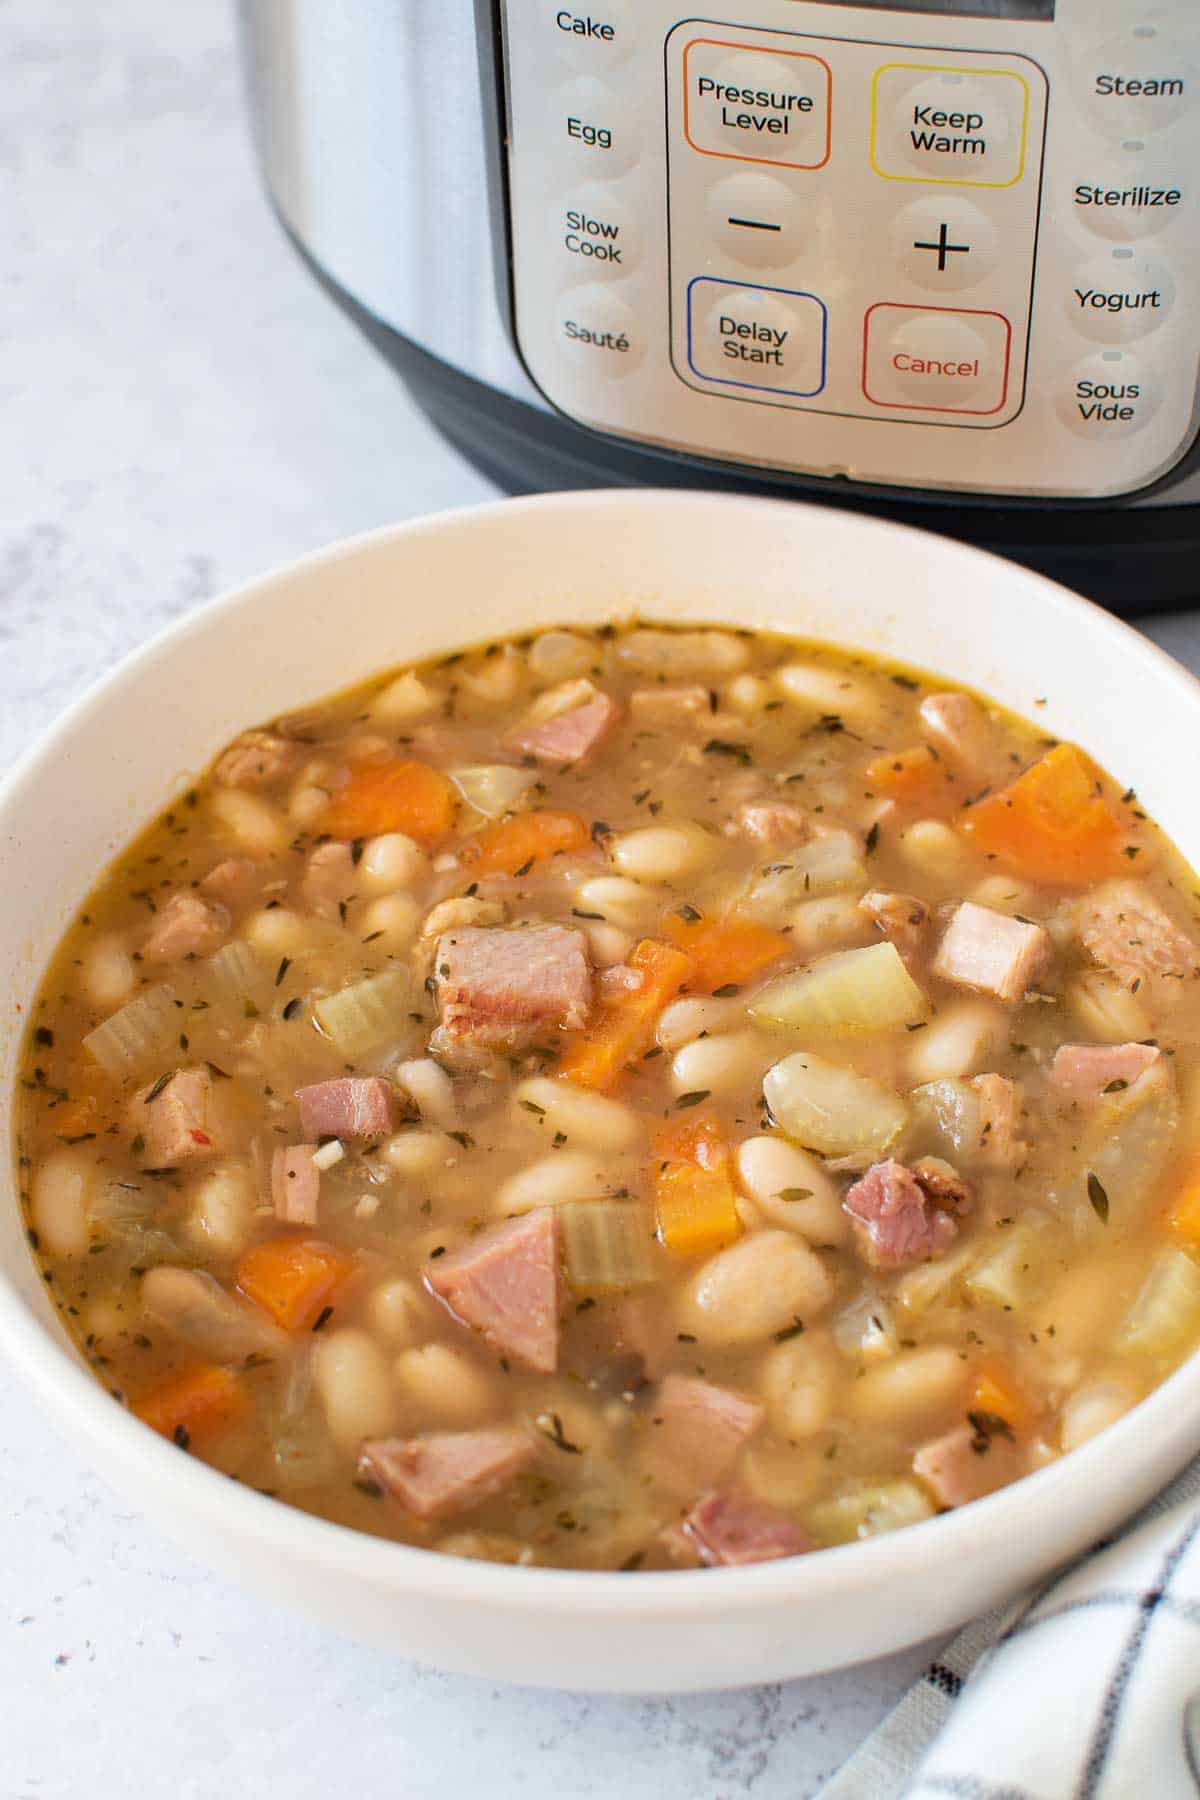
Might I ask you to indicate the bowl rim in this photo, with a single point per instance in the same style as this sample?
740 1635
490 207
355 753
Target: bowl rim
76 1398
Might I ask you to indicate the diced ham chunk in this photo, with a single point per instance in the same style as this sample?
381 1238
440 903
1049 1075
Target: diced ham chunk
506 989
970 1461
900 917
1124 929
179 1120
895 1221
450 1472
255 759
991 952
1001 1145
295 1184
505 1284
670 706
695 1432
958 727
566 726
1085 1072
329 879
774 822
186 926
350 1106
234 881
731 1529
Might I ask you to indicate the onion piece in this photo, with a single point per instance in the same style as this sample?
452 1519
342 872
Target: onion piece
868 1511
140 1031
831 1109
493 788
850 991
236 970
1165 1316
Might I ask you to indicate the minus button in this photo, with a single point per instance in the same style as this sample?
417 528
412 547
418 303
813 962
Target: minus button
755 224
759 220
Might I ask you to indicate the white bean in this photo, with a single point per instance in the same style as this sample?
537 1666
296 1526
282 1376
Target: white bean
607 943
663 853
956 1043
396 1312
428 1084
552 1180
256 825
419 1153
109 974
829 691
1003 893
721 1065
589 1121
799 1382
935 851
393 920
829 924
911 1385
684 1020
390 862
747 694
559 655
306 803
407 697
497 678
771 1168
679 653
462 910
782 1477
1093 1409
622 902
222 1208
277 931
444 1385
352 1377
62 1192
759 1286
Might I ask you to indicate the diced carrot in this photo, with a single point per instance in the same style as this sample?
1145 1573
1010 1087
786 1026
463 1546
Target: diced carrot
517 845
194 1404
997 1391
624 1022
1183 1214
402 796
695 1199
293 1279
915 778
1052 824
724 950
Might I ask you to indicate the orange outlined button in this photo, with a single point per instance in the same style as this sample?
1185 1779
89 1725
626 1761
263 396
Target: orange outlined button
936 359
752 105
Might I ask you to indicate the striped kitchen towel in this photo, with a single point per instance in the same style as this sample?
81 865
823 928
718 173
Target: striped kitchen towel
1078 1691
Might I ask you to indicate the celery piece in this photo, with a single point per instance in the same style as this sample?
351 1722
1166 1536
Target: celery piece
143 1028
1016 1269
827 865
1165 1316
609 1245
869 1510
359 1017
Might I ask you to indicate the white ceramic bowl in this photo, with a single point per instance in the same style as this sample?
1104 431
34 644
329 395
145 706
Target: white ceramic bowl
117 756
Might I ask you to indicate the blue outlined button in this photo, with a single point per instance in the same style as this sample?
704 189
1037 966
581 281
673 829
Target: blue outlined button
747 336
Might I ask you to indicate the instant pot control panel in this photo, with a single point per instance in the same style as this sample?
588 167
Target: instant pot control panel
949 244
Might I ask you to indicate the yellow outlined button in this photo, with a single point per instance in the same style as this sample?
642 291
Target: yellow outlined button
953 126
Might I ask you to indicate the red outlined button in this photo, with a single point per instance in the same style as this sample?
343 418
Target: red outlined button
753 105
939 359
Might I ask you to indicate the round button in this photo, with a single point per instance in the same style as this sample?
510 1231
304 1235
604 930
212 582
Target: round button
598 233
756 337
760 107
1130 198
592 38
928 352
944 243
1121 296
1137 81
761 221
598 334
599 136
1109 395
947 125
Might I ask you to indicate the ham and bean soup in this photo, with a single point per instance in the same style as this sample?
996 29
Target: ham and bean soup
634 1099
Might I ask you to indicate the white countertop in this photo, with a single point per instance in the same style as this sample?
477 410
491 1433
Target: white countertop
182 409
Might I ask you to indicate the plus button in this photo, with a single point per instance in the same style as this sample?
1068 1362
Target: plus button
944 248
